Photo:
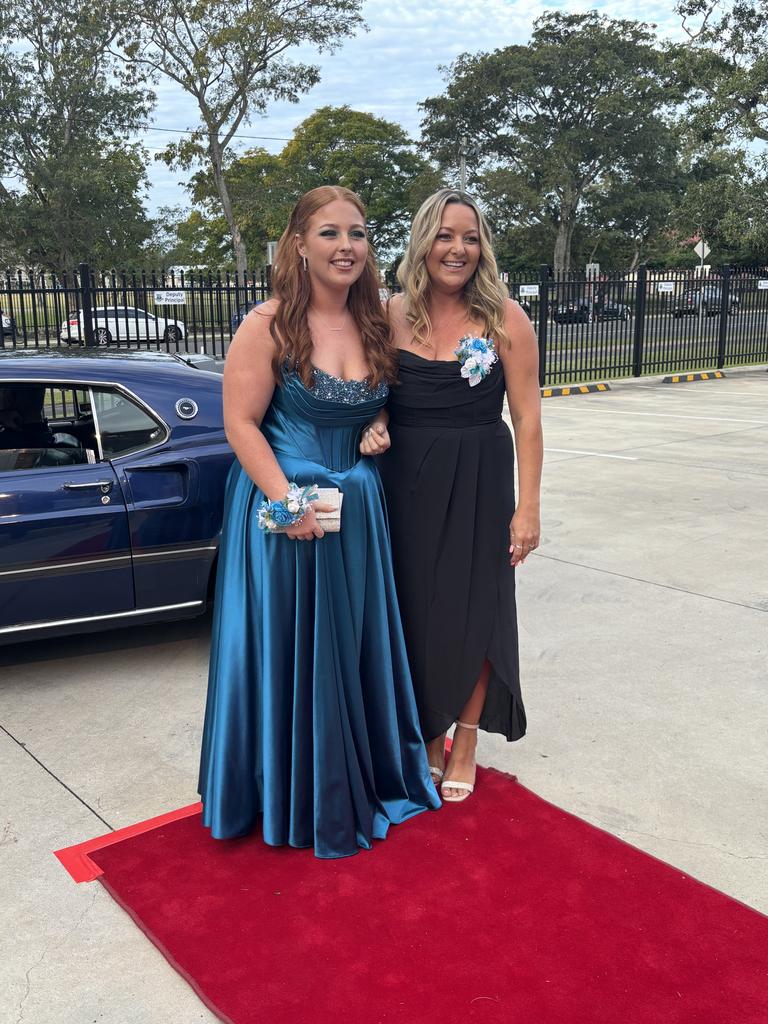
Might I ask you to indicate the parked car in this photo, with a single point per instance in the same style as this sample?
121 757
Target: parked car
610 310
121 323
242 312
575 310
8 325
710 298
112 475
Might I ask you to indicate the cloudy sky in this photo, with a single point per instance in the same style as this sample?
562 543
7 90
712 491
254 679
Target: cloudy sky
385 71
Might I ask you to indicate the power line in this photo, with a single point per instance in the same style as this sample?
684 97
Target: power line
192 131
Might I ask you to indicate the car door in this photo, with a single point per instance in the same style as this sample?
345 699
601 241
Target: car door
173 521
65 551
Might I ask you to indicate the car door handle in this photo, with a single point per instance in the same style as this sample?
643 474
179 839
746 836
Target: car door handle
69 486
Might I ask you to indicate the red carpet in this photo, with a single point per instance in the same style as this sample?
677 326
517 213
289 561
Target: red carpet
504 909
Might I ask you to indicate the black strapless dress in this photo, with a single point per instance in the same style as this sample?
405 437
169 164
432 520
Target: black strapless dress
449 483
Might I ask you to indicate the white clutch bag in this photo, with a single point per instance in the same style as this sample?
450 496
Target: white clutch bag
330 521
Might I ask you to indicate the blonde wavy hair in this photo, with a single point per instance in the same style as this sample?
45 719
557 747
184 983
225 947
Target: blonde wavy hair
484 293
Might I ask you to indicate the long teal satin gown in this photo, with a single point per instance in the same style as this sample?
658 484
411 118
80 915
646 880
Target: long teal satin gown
311 721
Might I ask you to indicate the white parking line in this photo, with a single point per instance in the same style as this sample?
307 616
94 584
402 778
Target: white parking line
680 390
674 415
597 455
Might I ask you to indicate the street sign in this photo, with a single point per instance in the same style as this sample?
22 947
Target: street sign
762 286
701 249
531 290
665 286
593 270
271 253
170 298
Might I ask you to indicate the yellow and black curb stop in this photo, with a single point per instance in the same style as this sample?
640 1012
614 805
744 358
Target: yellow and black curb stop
574 389
683 378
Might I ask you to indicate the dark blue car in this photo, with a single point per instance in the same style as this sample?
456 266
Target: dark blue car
112 474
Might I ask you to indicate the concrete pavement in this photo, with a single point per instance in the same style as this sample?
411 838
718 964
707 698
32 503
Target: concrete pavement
644 629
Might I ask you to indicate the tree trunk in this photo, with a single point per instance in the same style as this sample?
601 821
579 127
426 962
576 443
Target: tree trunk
562 256
241 256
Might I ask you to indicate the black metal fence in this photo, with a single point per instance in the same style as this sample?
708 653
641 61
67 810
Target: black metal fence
173 311
646 321
588 327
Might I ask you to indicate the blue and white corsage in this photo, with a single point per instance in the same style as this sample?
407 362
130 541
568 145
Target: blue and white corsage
477 356
277 515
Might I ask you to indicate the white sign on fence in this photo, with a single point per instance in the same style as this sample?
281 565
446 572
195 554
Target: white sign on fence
762 286
665 286
531 290
173 298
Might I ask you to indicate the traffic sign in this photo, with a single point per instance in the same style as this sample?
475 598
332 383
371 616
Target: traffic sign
701 249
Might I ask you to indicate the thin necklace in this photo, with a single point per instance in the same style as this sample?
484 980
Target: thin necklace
327 325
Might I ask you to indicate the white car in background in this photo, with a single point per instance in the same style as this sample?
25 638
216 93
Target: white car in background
121 323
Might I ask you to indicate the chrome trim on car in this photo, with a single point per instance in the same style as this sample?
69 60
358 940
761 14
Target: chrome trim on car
58 566
135 613
169 552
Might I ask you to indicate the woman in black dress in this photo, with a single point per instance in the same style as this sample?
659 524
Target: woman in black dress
457 533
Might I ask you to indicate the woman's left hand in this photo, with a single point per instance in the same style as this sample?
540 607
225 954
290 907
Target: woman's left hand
524 533
375 439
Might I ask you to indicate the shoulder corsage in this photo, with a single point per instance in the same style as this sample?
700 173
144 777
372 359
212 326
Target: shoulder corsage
477 356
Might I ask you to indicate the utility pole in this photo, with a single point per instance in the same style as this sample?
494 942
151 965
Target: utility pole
463 164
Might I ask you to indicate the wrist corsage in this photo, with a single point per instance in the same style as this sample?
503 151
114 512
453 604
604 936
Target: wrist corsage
276 515
477 356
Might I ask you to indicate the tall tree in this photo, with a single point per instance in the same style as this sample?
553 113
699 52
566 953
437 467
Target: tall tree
727 64
587 96
68 108
370 155
229 55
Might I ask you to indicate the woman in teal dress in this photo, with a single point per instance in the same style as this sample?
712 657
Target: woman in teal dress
311 723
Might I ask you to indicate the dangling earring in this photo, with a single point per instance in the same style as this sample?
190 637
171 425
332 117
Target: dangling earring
304 261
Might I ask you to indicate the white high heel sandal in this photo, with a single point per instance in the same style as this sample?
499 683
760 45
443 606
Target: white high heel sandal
467 787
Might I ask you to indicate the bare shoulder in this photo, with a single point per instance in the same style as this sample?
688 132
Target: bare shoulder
399 326
515 316
253 343
523 344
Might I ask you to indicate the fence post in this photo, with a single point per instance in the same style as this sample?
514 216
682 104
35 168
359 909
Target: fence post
543 324
86 304
639 336
725 298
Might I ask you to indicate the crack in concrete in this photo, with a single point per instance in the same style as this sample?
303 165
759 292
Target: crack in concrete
651 583
44 954
53 775
679 842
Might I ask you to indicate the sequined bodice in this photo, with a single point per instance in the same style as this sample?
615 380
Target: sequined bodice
322 424
348 392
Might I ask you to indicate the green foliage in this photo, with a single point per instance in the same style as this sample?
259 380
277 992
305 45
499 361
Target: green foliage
726 67
587 98
68 105
371 156
335 145
229 55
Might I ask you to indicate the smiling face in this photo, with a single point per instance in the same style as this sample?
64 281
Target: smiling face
455 252
335 244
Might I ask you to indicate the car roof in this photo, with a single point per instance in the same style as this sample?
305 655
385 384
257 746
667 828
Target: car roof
79 363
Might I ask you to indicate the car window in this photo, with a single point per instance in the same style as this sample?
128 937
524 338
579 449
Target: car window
124 426
44 425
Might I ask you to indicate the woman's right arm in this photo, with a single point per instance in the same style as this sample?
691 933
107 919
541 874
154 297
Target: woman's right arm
249 383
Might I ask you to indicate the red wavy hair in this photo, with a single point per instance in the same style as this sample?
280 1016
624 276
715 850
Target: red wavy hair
291 285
